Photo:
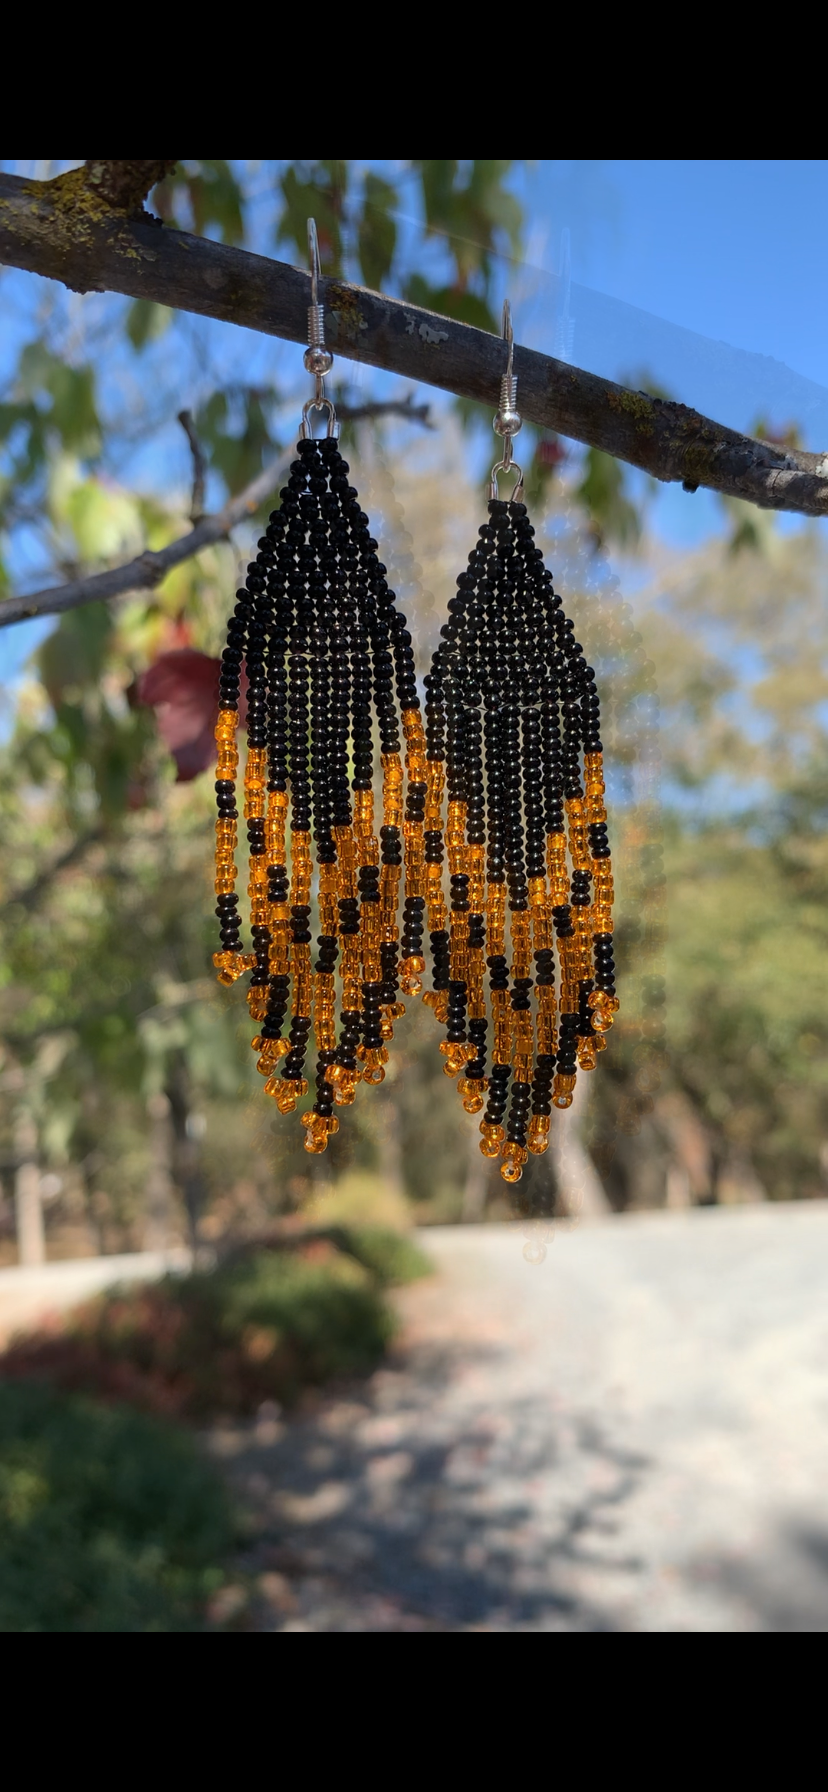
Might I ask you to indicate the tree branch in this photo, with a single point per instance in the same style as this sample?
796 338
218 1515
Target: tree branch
124 185
185 418
66 230
31 894
149 568
391 407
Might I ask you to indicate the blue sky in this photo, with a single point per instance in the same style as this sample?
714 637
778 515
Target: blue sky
734 251
710 253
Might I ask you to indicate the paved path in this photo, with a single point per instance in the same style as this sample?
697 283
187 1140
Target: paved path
32 1293
631 1436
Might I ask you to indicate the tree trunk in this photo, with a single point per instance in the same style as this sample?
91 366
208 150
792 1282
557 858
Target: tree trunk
159 1181
477 1182
31 1242
690 1174
186 1158
679 1192
389 1149
580 1189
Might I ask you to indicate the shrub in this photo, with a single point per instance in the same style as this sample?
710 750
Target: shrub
390 1257
109 1520
259 1327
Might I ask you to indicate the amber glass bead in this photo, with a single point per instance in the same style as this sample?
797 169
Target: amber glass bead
514 1158
256 769
456 1055
491 1138
435 782
316 1135
602 1013
472 1089
232 965
413 729
373 1070
563 1091
411 981
437 1000
538 1135
288 1091
320 1122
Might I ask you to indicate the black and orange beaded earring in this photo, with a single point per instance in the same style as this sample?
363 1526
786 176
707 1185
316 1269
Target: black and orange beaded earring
512 714
323 643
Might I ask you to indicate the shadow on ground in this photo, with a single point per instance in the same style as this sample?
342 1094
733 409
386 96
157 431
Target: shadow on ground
376 1512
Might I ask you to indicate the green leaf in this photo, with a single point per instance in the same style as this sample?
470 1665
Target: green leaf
74 413
54 399
469 209
612 514
201 195
74 654
237 450
451 301
216 198
104 521
377 234
321 195
146 321
437 180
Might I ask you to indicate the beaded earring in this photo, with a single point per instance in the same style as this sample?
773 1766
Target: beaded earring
318 629
511 706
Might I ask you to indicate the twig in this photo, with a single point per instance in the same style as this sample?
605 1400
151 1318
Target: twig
69 232
185 418
31 893
392 407
150 567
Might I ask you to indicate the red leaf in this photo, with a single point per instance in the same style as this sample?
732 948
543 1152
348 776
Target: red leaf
182 688
550 453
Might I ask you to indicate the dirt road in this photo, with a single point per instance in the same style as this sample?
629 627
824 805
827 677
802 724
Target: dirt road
631 1436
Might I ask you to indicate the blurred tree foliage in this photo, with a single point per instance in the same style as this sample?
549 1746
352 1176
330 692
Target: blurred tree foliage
105 1000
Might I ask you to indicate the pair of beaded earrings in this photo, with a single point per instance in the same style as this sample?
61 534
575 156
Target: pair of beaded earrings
511 739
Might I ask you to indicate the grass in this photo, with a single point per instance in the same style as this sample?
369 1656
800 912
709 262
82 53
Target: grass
109 1520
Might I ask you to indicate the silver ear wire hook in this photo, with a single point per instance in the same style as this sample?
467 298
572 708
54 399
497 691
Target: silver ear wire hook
315 264
318 358
508 420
